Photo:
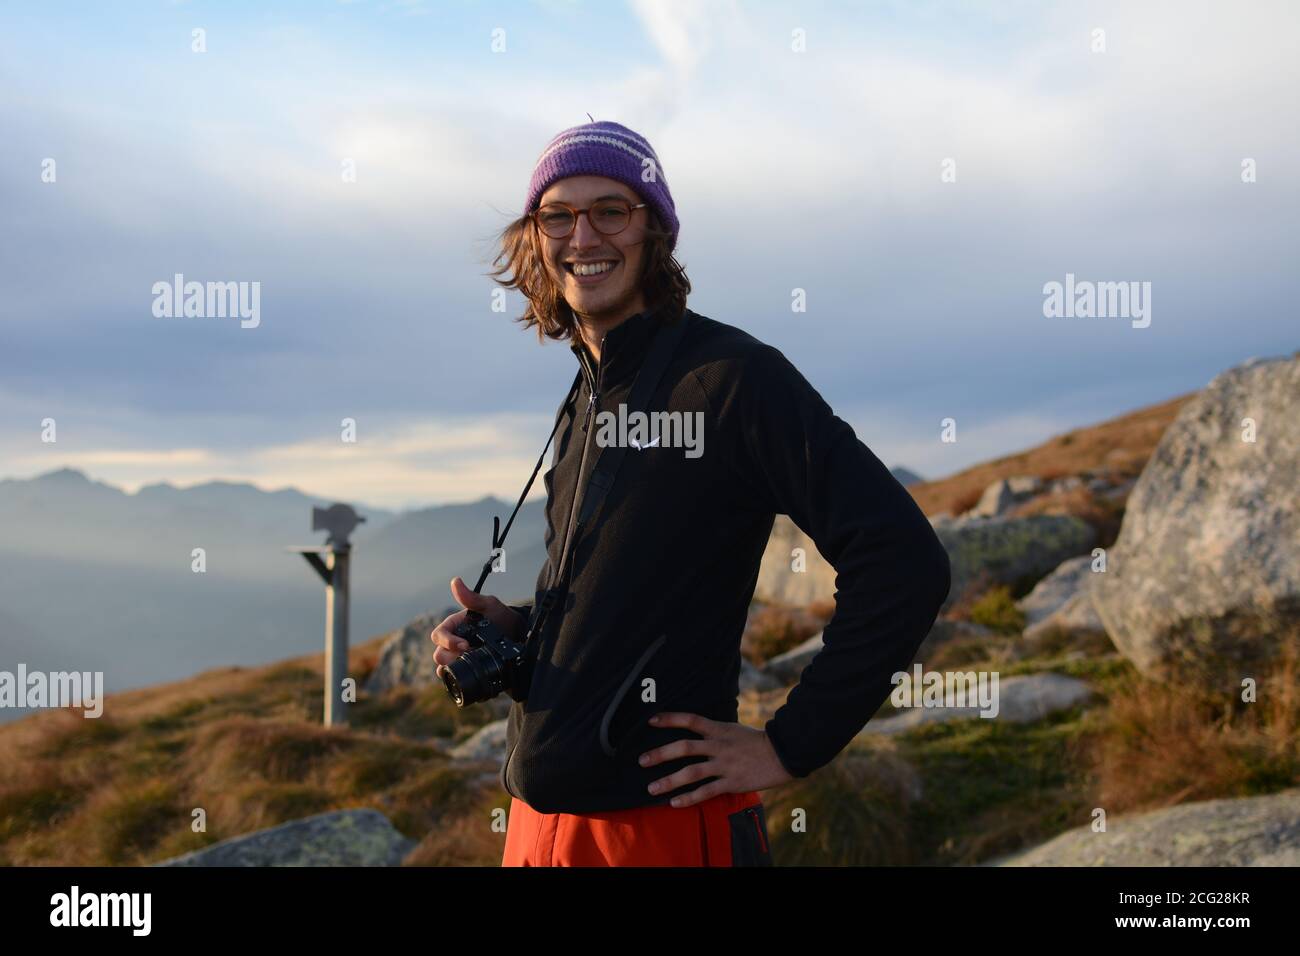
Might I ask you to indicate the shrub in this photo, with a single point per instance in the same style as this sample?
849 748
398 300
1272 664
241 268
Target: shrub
127 821
996 609
1166 743
856 809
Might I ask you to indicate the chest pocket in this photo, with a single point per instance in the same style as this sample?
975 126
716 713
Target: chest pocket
607 730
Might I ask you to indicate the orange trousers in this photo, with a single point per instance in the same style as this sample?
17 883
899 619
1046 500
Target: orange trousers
729 829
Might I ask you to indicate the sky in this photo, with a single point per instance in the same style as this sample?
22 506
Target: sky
805 145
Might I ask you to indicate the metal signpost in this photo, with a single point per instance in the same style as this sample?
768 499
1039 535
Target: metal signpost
334 569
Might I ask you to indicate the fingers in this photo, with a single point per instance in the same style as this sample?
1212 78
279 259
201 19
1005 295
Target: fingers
678 719
675 781
468 598
493 608
444 635
676 749
447 646
443 657
700 794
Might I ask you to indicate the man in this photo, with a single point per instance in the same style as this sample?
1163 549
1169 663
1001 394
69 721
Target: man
626 748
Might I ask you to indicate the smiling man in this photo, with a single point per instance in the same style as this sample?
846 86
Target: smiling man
624 748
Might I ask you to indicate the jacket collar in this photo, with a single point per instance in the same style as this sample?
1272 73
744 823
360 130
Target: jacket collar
622 350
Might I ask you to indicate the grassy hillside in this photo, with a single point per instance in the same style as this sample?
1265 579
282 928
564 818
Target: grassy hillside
243 744
1121 445
246 746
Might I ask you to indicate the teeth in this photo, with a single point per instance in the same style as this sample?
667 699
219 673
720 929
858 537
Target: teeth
591 269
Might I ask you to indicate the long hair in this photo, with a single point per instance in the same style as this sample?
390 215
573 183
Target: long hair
521 261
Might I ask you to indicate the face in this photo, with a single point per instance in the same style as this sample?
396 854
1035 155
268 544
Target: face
614 293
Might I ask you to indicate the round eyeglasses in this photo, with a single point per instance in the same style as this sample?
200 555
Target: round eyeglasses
608 217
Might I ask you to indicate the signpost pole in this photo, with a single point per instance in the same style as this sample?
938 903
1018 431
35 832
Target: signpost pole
337 596
335 570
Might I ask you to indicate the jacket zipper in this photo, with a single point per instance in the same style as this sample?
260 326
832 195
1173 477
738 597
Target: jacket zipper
577 486
586 443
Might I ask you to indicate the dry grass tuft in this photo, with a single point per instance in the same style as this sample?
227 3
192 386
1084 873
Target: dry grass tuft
1165 744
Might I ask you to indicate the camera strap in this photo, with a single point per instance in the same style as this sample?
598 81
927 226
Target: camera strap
499 536
607 465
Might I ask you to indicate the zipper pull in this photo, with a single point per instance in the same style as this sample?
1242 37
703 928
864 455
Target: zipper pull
758 828
595 390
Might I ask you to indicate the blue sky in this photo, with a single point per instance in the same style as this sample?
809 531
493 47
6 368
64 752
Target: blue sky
817 170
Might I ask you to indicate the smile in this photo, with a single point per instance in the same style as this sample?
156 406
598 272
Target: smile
586 269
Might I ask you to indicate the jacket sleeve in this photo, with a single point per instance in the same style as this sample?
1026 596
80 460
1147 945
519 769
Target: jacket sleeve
892 573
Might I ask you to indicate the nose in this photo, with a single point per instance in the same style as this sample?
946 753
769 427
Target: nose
584 234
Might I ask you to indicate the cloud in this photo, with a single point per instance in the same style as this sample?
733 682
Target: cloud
444 460
817 170
682 31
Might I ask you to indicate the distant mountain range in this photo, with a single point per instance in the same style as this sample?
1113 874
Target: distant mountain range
93 578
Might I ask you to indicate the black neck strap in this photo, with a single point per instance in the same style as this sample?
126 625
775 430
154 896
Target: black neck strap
499 536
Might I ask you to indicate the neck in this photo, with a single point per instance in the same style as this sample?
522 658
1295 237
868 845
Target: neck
594 326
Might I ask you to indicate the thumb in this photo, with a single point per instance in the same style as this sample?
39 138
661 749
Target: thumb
466 597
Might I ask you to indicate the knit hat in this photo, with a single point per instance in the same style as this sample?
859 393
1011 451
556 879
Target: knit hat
606 149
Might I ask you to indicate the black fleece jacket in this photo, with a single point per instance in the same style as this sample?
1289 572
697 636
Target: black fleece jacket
661 586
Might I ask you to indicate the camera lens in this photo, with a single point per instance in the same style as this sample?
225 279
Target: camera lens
453 685
473 677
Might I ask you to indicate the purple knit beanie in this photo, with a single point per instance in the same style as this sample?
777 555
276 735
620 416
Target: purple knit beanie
606 149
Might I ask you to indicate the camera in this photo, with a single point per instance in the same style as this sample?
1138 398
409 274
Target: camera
490 666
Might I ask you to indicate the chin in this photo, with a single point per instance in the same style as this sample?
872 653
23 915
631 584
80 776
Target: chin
602 301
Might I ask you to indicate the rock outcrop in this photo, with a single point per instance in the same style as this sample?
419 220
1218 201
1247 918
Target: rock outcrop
1020 700
985 551
341 838
1062 600
487 743
1004 494
406 657
778 583
756 679
1247 831
1204 579
787 667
